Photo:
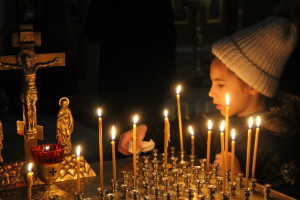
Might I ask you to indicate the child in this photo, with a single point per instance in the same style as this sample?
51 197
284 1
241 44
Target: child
248 65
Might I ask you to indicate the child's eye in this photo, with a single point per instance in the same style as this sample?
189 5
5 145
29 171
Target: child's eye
220 85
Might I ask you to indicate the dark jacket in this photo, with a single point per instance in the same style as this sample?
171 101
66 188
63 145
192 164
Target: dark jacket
278 147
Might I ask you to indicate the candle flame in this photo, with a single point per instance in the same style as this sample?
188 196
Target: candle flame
78 151
47 148
222 126
250 122
191 130
209 125
30 167
135 119
258 120
227 99
113 132
178 89
99 112
166 113
232 134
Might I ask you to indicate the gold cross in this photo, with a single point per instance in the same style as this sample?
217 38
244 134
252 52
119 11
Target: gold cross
28 62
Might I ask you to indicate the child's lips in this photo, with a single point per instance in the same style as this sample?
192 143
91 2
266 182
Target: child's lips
218 106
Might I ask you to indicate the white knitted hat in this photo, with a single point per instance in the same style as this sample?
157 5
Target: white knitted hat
258 54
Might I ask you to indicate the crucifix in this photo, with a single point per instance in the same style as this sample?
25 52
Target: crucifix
28 62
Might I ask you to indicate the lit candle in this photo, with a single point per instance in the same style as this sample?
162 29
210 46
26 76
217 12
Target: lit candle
47 148
29 180
178 89
167 137
209 125
222 153
192 140
248 150
232 154
113 136
226 130
135 119
258 120
100 147
78 169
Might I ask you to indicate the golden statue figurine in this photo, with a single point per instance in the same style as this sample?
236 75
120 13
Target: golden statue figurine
1 142
64 125
27 62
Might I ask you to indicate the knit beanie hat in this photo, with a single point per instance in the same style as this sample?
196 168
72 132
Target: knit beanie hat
258 54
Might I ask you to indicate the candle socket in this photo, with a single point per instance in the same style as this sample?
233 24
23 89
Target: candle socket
266 191
252 185
211 191
207 177
166 183
174 162
215 167
124 189
182 157
232 189
134 194
135 182
192 160
187 180
178 189
224 196
246 193
190 194
156 192
168 195
101 193
202 165
239 180
172 152
125 175
111 196
78 196
196 172
154 154
146 186
114 186
219 182
199 185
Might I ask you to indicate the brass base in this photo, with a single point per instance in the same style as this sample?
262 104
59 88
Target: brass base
49 191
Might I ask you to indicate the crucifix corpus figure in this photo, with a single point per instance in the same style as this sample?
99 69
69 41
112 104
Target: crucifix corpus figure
27 62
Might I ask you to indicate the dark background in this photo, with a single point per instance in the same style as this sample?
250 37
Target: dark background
123 56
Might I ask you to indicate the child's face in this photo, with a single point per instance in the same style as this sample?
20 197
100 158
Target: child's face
223 81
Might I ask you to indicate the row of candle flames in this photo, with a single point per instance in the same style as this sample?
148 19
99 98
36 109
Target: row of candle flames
224 147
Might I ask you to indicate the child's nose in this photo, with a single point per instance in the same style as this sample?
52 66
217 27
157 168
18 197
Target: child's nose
210 92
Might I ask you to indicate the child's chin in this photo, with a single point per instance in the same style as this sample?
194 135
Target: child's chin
222 112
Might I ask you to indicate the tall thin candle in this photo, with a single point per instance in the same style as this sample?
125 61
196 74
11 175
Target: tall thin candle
232 154
209 126
113 152
248 151
29 181
178 89
167 136
191 130
226 130
135 119
223 154
100 147
78 169
258 120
